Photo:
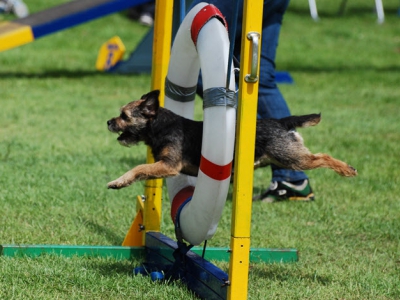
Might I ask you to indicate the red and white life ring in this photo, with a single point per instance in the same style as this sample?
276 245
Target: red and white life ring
202 43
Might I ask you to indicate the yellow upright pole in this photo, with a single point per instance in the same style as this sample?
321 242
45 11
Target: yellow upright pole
148 215
244 153
161 55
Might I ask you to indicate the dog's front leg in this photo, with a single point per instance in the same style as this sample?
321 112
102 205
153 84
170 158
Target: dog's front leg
143 172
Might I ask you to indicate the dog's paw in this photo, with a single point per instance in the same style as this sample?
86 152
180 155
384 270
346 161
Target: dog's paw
353 171
115 185
350 171
125 180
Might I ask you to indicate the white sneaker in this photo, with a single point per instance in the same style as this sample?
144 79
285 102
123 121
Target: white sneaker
146 19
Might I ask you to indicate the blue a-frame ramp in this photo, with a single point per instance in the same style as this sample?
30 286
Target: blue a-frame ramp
25 30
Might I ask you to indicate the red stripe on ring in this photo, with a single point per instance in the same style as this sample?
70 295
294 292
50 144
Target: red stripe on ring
215 171
179 199
202 17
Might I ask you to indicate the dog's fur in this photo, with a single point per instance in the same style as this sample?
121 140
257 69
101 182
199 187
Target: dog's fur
176 142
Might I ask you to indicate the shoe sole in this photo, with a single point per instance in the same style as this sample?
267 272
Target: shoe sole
308 198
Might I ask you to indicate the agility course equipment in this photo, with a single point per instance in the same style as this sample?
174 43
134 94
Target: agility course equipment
235 284
199 274
110 53
140 60
202 43
257 255
380 13
144 238
25 30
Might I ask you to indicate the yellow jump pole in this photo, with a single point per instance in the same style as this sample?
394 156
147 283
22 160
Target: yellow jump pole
161 55
148 217
244 152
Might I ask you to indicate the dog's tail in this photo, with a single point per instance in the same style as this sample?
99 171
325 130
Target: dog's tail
293 122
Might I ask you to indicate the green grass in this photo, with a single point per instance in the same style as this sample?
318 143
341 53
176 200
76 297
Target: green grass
56 157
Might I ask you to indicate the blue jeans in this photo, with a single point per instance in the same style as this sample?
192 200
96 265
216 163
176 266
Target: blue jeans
271 103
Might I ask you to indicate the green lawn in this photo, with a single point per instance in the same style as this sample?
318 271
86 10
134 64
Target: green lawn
56 157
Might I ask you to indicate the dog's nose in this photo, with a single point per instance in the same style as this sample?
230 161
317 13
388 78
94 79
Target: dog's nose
108 122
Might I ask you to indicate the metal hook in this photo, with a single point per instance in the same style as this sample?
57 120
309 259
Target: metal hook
253 76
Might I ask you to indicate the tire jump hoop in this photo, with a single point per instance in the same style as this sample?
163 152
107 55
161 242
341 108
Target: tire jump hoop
202 43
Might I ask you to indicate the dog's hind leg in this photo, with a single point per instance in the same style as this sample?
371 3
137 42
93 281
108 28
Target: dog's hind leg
321 160
143 172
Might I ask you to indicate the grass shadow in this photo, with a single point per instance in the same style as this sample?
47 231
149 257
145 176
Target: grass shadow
110 268
59 74
312 69
109 235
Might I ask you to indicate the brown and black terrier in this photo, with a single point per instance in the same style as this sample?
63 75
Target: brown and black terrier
176 142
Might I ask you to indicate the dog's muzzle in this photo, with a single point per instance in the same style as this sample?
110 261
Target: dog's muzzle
111 126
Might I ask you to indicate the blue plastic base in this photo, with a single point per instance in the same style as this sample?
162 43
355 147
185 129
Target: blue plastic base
200 276
156 276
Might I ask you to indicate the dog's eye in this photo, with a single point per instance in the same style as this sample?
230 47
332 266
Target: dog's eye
123 116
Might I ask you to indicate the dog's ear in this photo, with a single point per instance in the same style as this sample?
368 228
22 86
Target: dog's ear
150 104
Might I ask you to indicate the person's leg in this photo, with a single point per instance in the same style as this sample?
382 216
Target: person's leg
285 184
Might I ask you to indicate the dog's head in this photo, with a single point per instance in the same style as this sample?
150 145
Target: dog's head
134 117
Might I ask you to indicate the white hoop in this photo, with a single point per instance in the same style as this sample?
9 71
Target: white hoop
202 43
